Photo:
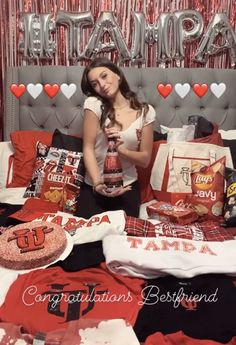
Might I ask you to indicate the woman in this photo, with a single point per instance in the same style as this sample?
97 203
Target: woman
112 110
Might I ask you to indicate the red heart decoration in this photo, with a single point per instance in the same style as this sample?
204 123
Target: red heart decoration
200 90
17 90
164 90
51 90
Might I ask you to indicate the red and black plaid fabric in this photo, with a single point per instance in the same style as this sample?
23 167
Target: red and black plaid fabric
139 227
214 232
205 231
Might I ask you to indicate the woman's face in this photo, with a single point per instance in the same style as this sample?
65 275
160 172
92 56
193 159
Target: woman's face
104 82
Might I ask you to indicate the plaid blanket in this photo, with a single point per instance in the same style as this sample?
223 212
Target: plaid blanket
205 231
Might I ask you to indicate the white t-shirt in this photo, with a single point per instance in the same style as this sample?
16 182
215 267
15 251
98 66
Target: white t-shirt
129 137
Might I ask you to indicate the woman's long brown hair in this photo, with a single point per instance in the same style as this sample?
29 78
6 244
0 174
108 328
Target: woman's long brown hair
107 109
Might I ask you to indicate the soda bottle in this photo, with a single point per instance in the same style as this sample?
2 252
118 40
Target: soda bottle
112 172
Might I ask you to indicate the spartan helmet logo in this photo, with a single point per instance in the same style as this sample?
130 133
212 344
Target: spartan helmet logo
185 172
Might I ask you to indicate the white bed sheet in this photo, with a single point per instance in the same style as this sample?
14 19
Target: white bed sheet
12 196
143 209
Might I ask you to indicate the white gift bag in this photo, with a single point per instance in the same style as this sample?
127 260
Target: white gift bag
171 172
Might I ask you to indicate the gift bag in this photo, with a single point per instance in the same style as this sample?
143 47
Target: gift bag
171 172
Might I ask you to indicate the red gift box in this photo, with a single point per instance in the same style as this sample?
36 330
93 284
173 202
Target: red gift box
164 211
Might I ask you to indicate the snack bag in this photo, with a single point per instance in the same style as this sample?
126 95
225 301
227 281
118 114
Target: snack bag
70 198
60 189
230 197
208 188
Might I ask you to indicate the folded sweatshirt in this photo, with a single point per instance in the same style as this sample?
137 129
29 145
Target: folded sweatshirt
155 257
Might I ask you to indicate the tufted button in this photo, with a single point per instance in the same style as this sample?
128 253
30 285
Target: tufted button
202 107
41 126
140 86
177 107
30 105
226 107
66 126
53 105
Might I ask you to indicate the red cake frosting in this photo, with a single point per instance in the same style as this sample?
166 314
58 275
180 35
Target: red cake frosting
31 245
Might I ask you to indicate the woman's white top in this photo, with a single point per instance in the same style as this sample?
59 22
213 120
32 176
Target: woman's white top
130 137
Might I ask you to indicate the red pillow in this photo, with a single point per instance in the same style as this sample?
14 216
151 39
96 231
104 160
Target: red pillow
144 174
24 143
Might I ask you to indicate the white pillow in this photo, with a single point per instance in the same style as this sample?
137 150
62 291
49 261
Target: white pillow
165 129
6 150
230 134
185 133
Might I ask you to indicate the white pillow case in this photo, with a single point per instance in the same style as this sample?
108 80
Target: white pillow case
230 134
6 150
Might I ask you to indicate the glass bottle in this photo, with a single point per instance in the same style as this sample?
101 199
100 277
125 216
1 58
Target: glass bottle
112 172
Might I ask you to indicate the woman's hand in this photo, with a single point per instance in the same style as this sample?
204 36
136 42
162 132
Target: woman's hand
112 132
102 189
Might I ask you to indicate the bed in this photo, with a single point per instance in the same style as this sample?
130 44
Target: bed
40 112
175 93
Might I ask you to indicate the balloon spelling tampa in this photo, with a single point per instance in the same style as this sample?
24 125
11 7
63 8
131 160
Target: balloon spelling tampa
169 33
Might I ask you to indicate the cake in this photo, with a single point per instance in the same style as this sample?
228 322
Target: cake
31 245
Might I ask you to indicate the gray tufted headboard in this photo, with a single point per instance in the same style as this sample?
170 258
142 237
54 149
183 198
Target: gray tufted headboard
47 113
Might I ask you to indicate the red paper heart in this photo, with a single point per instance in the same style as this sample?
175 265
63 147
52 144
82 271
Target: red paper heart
51 90
164 90
17 90
200 90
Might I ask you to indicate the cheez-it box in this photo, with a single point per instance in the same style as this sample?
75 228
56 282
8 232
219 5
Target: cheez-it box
164 211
